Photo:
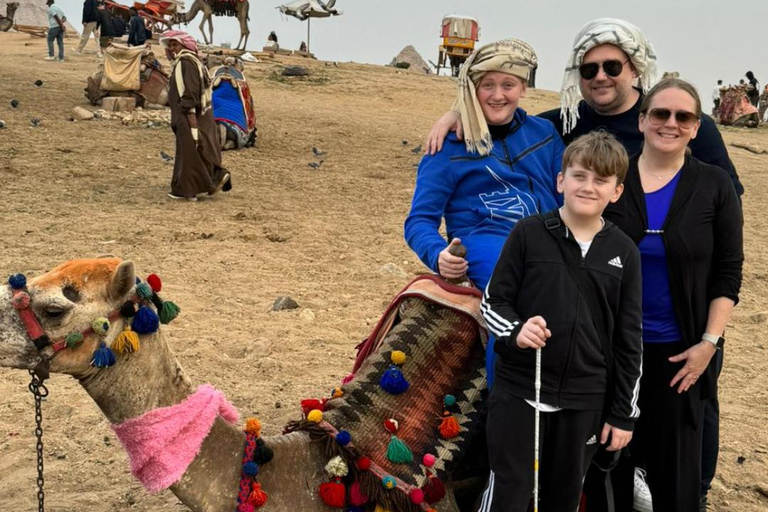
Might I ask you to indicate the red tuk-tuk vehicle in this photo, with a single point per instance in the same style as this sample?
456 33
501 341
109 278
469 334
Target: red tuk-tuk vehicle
459 35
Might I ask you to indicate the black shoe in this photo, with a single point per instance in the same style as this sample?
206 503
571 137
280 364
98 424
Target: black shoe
703 503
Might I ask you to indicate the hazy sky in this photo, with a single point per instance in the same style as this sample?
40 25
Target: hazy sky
701 39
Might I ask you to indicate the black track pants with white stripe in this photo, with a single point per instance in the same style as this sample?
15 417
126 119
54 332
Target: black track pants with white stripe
564 455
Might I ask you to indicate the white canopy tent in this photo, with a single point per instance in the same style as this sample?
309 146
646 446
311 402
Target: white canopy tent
308 9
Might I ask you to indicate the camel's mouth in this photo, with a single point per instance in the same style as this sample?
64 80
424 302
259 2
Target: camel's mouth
16 350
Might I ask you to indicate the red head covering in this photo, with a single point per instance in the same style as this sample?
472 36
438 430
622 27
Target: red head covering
184 39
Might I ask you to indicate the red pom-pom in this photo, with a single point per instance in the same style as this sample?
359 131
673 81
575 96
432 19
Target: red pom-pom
258 497
417 496
391 425
20 300
310 404
363 463
154 282
428 460
449 427
333 494
356 495
434 490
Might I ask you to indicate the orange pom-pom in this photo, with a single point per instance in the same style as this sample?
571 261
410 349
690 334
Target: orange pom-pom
333 494
258 497
449 427
154 282
253 426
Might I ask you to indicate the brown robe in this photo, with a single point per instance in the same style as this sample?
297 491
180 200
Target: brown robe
197 167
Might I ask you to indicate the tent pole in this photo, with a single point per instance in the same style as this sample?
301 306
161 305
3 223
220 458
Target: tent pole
308 50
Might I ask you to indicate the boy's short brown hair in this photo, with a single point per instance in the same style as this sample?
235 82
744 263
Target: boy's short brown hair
598 151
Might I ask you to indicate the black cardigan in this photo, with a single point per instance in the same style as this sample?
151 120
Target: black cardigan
703 239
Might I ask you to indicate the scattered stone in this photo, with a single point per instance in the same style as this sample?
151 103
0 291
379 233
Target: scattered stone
284 303
2 123
405 142
165 156
107 441
307 315
394 270
318 152
35 122
118 104
315 165
276 237
82 114
14 103
131 499
417 149
740 459
39 83
278 405
749 147
295 71
762 489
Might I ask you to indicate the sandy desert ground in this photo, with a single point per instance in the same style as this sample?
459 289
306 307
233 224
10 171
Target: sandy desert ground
331 238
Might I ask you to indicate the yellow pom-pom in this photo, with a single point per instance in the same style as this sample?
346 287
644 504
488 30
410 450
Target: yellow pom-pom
315 416
379 508
253 426
398 357
126 342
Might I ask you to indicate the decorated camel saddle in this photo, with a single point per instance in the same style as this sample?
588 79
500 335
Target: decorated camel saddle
388 439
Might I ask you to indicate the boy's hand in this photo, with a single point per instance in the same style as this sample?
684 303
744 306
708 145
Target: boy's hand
450 266
448 122
534 333
619 438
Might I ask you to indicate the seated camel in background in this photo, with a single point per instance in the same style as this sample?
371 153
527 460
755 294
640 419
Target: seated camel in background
68 299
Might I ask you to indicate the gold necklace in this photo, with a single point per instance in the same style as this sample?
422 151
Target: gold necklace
657 176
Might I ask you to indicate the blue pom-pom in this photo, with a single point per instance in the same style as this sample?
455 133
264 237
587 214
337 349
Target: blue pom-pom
145 321
17 281
343 438
103 357
353 508
389 482
450 400
393 381
250 468
138 281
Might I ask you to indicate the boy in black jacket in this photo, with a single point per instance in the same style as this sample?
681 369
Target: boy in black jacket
568 281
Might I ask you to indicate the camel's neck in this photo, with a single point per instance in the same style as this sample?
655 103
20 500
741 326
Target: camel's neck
195 8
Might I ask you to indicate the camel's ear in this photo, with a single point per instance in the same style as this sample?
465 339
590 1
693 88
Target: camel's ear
122 281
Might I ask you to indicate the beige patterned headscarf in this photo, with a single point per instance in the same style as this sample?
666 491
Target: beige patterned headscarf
511 56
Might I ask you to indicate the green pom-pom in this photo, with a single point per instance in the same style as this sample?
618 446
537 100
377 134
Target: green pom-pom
168 312
73 340
144 291
100 326
450 400
398 452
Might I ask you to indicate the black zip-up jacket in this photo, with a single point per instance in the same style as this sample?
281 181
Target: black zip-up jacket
703 240
90 13
531 278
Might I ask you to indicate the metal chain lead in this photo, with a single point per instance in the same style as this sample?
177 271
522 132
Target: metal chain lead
38 389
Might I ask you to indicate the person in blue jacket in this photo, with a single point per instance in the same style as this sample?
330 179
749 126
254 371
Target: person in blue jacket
504 170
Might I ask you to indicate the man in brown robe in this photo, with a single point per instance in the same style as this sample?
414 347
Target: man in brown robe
197 167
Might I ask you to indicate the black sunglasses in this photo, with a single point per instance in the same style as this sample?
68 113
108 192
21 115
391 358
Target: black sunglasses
659 116
612 68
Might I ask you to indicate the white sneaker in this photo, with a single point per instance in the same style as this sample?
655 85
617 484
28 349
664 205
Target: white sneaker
79 52
642 494
50 58
99 55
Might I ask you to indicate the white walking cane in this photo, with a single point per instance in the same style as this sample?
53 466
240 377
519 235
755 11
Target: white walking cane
536 434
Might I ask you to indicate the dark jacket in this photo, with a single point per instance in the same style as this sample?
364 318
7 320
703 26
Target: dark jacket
89 12
118 25
708 146
104 23
137 32
531 278
703 240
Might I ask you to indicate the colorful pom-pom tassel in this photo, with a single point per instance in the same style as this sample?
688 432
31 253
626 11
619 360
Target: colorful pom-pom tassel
154 282
253 426
337 393
263 453
363 463
389 482
17 281
356 495
250 468
103 356
145 321
336 467
126 342
393 381
144 291
333 494
128 309
398 357
398 452
310 404
343 438
449 401
73 340
169 311
100 326
449 427
428 460
434 489
245 507
20 300
416 496
380 508
258 497
315 416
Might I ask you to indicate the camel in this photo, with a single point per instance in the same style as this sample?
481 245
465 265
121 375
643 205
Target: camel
7 22
66 300
207 7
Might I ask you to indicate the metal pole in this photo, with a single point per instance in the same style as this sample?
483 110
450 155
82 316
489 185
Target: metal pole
536 434
308 49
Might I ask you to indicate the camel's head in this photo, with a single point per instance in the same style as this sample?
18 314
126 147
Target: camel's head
11 7
65 300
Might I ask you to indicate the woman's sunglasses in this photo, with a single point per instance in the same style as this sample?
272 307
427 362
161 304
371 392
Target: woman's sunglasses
612 68
659 116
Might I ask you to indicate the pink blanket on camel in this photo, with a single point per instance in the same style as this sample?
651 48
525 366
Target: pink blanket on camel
162 443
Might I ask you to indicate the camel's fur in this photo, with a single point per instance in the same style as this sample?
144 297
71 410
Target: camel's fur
152 378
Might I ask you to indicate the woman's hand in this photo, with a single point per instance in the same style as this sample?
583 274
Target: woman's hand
696 361
448 122
450 266
534 333
619 438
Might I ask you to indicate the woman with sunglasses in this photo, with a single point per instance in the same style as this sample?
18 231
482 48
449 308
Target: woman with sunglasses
686 219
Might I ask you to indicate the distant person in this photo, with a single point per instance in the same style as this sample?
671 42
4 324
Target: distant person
763 103
716 97
137 30
197 167
303 47
272 41
90 21
56 29
753 88
105 27
119 26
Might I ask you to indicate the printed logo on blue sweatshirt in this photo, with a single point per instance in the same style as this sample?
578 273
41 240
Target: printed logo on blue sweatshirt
511 204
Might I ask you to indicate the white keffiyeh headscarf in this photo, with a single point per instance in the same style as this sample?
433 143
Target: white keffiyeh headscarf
595 33
510 56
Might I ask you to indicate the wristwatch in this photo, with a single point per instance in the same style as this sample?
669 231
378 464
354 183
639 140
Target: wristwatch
717 341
